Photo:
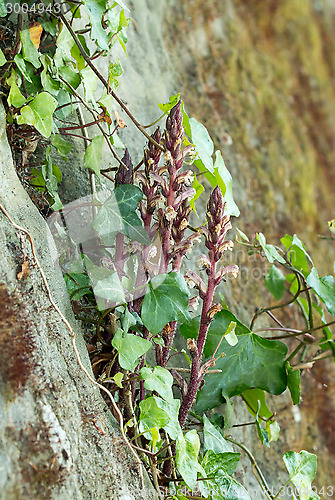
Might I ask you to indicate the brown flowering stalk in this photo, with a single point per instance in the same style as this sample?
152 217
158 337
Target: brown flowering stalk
215 234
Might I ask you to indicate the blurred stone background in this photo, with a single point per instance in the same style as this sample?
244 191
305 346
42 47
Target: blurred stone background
260 73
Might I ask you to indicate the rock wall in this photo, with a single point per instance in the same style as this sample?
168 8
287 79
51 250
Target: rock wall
57 438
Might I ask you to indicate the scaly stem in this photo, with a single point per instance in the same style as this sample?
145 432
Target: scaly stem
195 377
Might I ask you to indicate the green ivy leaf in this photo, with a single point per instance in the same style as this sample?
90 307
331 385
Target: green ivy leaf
95 10
93 154
242 235
63 147
230 335
255 400
166 300
38 113
271 253
253 362
118 379
324 287
293 383
118 215
152 418
64 44
223 486
199 188
90 81
226 460
172 409
263 434
302 469
273 430
159 380
203 144
70 76
213 439
15 98
25 68
297 254
3 59
78 285
29 51
225 182
130 348
187 451
274 281
110 288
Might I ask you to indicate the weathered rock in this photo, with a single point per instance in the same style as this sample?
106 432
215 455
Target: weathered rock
57 438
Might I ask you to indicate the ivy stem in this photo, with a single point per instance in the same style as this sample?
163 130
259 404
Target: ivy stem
263 483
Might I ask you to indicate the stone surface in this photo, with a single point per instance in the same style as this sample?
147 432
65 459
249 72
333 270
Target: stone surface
57 438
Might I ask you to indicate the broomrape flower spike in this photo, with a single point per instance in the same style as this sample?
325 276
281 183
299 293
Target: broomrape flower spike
215 233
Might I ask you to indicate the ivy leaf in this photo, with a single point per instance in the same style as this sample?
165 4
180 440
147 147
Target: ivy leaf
187 451
203 144
297 254
198 190
227 460
3 59
223 486
230 335
110 288
78 285
152 418
273 430
38 113
70 75
29 51
213 440
159 380
63 147
242 235
302 469
274 281
118 215
172 409
271 253
15 97
93 154
130 348
324 287
256 404
225 182
293 383
95 10
253 362
166 300
263 434
90 81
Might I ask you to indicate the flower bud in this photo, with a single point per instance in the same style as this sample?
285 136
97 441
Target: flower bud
125 172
